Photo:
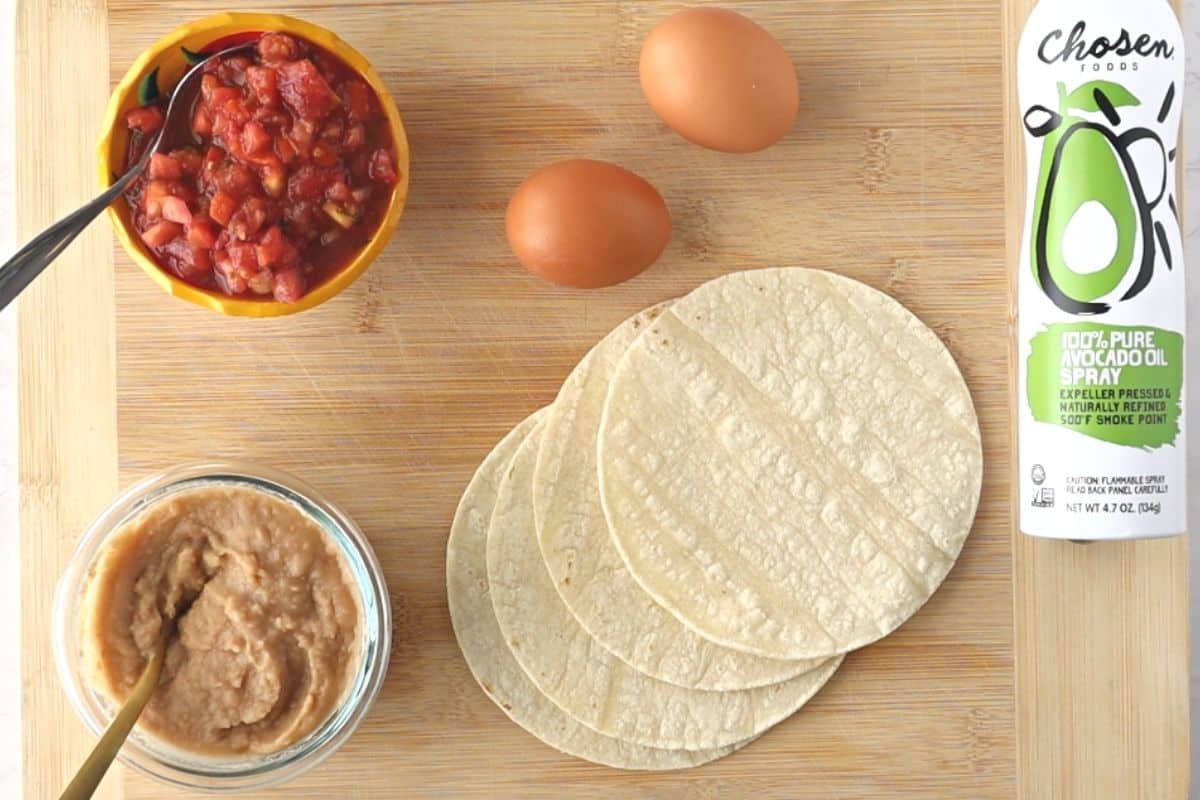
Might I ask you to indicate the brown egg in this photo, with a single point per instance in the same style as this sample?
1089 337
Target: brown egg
719 80
587 224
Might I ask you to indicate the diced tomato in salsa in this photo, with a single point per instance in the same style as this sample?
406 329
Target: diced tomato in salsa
271 189
161 233
272 249
290 285
285 150
163 167
202 122
202 233
306 183
176 210
276 47
243 257
222 207
249 219
255 139
193 262
263 82
190 160
157 191
304 90
382 169
145 120
359 102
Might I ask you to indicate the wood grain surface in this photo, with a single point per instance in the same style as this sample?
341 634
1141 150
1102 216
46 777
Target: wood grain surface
388 396
66 368
1101 629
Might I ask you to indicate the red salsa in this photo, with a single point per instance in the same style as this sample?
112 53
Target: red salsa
278 177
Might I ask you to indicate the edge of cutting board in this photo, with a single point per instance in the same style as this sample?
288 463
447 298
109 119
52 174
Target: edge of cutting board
67 460
1101 632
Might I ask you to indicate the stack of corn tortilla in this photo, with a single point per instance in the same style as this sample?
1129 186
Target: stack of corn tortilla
729 493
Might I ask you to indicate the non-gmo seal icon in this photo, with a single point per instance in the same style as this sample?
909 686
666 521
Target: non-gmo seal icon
1039 474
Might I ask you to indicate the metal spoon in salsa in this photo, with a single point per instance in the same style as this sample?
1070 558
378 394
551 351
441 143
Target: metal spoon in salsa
277 177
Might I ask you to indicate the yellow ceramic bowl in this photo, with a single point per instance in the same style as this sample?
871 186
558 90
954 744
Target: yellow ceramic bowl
168 58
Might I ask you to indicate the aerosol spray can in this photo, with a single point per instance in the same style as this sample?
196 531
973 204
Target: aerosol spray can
1101 301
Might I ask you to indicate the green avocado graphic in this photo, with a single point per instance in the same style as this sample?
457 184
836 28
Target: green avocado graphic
1082 162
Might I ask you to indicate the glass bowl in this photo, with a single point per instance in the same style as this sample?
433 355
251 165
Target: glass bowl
169 764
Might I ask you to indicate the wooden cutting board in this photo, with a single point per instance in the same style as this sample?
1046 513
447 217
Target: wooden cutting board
387 397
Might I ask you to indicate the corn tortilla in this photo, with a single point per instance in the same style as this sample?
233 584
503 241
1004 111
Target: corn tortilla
789 461
588 572
489 658
580 676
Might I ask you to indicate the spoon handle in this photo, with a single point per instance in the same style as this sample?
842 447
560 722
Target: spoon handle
89 775
31 259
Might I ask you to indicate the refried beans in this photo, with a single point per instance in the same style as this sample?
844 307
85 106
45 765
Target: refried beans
267 619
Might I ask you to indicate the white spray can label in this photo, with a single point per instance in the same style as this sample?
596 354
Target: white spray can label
1101 301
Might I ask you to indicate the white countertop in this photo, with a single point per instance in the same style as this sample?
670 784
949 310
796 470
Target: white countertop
9 583
1191 225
